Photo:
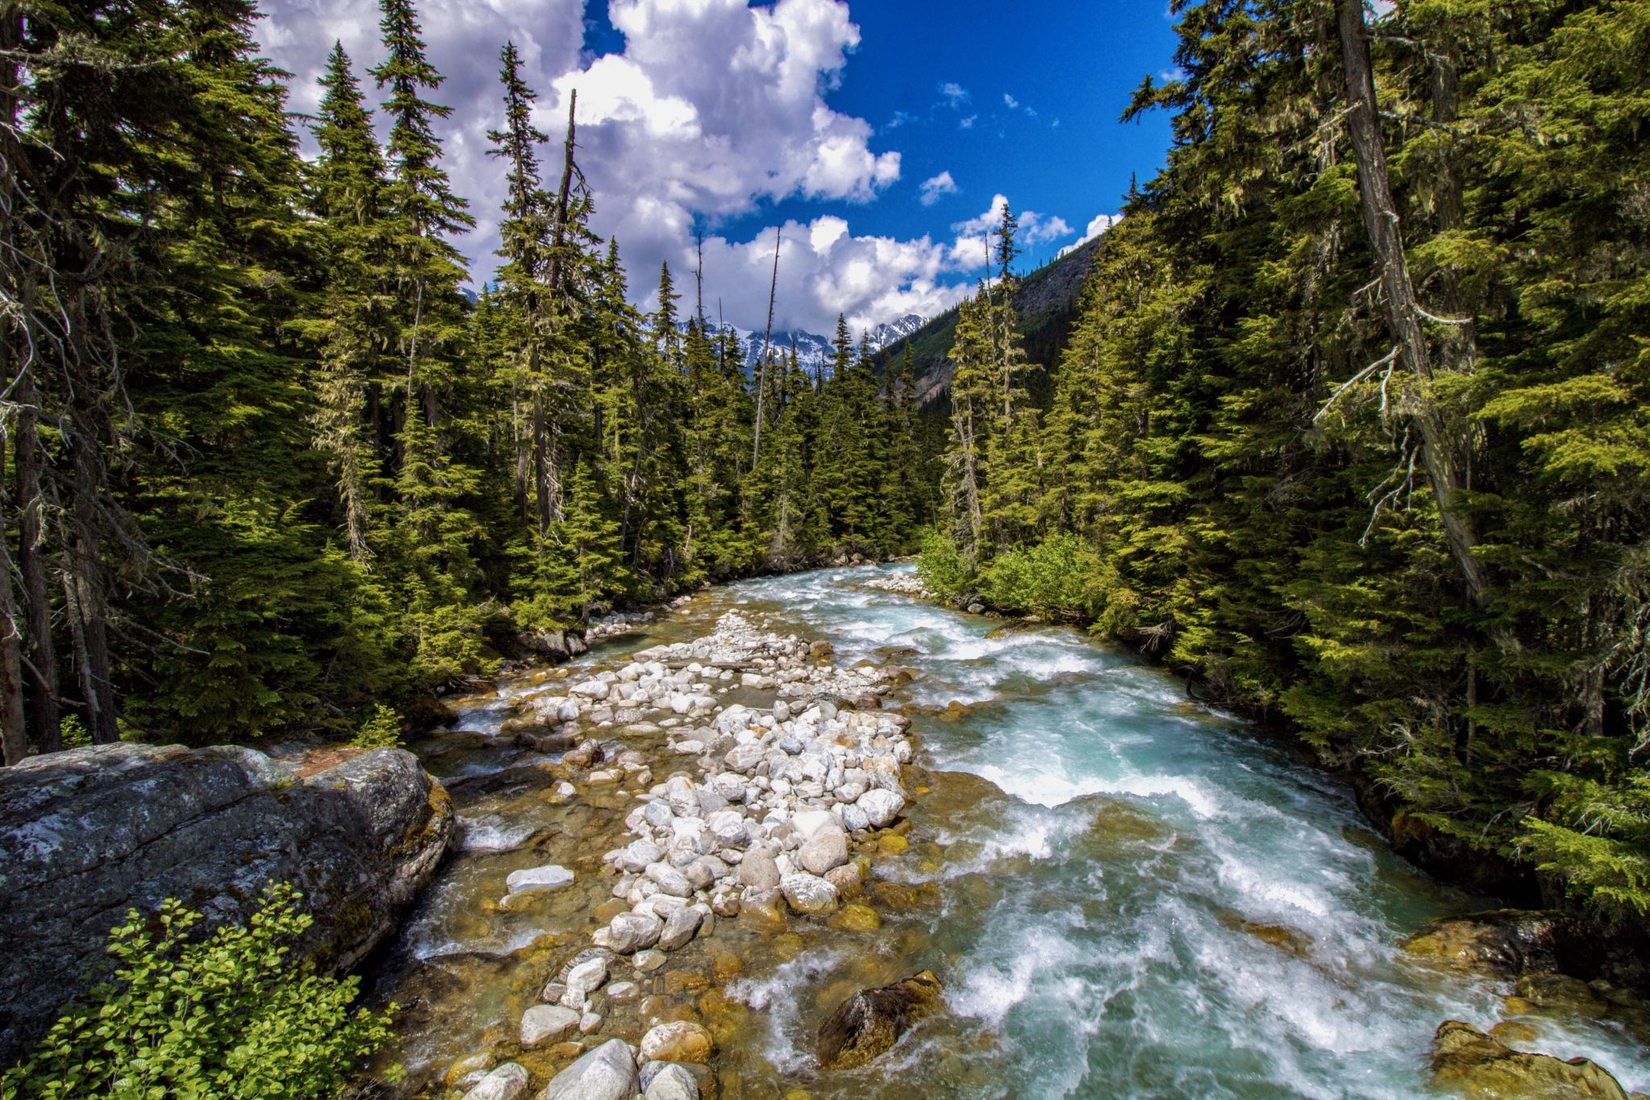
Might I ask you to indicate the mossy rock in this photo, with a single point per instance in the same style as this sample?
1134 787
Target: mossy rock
1472 1065
871 1021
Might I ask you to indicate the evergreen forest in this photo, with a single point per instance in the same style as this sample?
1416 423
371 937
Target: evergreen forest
1352 429
269 466
1354 426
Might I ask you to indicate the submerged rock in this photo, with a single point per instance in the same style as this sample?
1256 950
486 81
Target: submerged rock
87 834
872 1020
678 1041
1473 1065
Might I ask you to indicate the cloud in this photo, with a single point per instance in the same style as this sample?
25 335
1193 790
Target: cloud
1012 103
968 123
936 188
667 145
976 236
1097 225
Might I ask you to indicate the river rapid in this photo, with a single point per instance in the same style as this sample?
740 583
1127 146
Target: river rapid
1124 894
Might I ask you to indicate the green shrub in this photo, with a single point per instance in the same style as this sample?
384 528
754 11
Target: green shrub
942 567
381 731
220 1017
1059 578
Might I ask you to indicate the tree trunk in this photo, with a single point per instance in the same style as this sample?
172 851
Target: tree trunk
40 677
90 591
1445 446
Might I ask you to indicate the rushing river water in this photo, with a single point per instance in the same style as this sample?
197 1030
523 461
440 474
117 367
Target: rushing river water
1125 894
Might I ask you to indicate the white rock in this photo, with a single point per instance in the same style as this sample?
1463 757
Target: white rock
680 928
590 689
606 1073
881 806
583 980
807 893
672 1082
547 877
825 849
670 880
507 1082
546 1023
631 932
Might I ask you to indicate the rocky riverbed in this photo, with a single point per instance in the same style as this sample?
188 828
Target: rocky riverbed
716 857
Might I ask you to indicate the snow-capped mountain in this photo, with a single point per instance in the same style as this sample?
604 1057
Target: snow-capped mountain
812 350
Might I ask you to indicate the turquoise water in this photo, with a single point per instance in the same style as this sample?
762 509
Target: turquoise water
1148 899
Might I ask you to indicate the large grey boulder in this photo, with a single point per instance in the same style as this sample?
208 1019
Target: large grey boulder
606 1073
88 834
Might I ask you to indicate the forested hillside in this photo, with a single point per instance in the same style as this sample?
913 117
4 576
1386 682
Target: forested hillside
1354 426
266 464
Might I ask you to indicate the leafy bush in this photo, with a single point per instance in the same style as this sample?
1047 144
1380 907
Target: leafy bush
942 567
381 731
224 1017
1059 578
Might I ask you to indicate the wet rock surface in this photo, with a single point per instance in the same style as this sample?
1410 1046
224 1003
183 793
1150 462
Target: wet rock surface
871 1021
1471 1064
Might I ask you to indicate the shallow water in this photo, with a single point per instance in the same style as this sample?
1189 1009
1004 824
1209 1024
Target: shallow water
1124 894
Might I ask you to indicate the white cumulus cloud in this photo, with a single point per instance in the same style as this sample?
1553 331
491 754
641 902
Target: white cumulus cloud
712 110
936 188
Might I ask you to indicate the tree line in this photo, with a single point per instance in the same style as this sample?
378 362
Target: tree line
1354 427
266 463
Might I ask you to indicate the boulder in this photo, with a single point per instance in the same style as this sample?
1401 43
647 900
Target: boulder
808 893
507 1082
758 870
546 1023
881 807
87 834
1502 943
548 877
672 1082
606 1073
678 1041
628 933
826 849
1473 1065
872 1020
680 928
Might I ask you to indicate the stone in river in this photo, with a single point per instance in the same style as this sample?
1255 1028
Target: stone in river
744 759
543 1024
679 928
606 1073
547 877
507 1082
583 980
758 870
628 933
881 806
678 1041
807 893
670 880
649 960
1471 1064
825 849
671 1082
872 1020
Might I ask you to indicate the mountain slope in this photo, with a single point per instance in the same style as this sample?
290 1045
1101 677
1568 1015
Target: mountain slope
1047 303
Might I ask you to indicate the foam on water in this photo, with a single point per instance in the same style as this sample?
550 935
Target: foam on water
1236 944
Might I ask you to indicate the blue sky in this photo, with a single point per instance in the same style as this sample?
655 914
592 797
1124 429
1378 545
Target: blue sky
833 119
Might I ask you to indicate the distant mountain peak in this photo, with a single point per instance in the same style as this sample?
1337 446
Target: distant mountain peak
813 351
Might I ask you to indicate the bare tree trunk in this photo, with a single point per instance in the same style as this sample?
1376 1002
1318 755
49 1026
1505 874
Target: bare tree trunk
546 465
762 364
1445 446
90 590
40 677
14 739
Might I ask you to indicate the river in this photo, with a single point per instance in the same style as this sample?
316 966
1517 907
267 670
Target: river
1125 894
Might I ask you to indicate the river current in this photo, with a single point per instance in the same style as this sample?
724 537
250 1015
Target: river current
1125 894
